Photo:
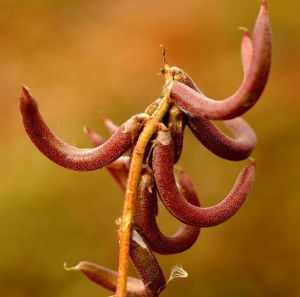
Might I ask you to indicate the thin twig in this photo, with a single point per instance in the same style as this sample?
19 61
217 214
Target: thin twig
150 126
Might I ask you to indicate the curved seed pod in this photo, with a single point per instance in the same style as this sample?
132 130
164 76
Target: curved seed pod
107 279
147 266
176 124
209 134
145 212
118 169
220 144
184 211
69 156
195 104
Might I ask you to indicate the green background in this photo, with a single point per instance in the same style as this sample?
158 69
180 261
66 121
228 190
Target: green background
86 59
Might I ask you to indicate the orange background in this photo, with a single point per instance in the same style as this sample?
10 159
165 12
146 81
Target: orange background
86 59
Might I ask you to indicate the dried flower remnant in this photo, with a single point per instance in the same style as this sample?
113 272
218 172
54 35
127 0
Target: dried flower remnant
141 153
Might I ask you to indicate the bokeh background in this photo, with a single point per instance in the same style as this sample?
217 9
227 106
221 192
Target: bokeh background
86 59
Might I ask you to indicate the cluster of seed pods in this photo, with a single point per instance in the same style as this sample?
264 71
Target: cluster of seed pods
141 154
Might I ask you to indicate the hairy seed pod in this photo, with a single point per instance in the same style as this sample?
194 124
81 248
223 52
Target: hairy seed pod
195 104
220 144
184 211
145 212
69 156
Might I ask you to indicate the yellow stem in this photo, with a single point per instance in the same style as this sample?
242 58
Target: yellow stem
133 179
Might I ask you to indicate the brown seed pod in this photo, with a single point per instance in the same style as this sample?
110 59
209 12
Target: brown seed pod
184 211
69 156
145 213
220 144
256 76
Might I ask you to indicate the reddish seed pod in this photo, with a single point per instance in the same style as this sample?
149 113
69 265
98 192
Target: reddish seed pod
69 156
198 105
184 211
208 133
221 145
145 212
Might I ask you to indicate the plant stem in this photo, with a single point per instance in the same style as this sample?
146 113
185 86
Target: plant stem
150 126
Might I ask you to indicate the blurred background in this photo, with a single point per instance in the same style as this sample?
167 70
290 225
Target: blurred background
87 59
